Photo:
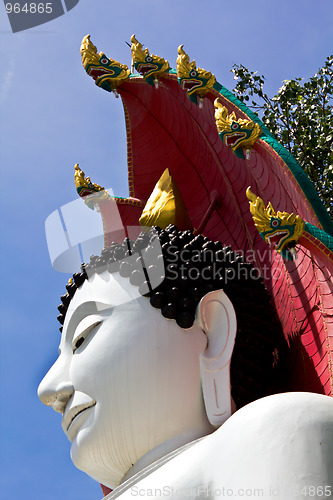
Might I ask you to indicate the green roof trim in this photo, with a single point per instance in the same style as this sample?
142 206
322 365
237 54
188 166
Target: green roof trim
304 182
325 238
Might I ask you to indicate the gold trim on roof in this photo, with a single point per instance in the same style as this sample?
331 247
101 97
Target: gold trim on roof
236 133
84 182
277 228
106 72
194 80
148 65
91 192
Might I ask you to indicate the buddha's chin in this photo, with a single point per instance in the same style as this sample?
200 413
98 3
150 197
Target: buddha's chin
82 449
89 454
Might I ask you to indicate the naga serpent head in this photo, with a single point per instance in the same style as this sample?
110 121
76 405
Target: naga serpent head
236 134
106 72
148 65
91 192
192 79
279 229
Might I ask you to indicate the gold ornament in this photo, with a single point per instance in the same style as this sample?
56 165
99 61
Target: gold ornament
194 80
276 228
106 72
148 65
235 133
165 206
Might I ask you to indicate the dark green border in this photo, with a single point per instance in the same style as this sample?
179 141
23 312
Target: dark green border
320 235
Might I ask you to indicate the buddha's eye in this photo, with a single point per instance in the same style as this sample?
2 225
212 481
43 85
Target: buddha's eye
79 342
80 339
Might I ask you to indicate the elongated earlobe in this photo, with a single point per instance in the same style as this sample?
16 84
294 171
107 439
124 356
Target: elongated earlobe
216 316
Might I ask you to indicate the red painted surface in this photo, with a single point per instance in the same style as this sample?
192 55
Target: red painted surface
105 490
166 130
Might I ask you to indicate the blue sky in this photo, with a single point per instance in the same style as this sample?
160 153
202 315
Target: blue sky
53 116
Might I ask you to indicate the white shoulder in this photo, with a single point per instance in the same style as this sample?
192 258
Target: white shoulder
281 443
279 447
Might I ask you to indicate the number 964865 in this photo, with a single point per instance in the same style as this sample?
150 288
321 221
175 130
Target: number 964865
29 8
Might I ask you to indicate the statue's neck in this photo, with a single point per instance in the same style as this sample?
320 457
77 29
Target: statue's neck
166 450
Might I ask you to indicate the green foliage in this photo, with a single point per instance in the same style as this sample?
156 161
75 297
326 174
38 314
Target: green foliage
300 116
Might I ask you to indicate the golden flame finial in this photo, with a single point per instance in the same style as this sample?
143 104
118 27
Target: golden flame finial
165 206
183 63
88 51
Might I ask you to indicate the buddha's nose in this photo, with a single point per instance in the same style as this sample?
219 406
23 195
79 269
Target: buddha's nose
55 390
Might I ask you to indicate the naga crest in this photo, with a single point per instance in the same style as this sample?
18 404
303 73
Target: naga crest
192 79
236 134
279 229
149 66
87 189
107 73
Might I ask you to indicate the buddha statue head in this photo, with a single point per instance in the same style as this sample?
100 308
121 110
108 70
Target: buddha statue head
144 358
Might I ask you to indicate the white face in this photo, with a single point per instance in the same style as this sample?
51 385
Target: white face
126 379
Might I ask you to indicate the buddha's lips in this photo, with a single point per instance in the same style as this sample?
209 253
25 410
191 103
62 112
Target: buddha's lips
190 84
276 238
74 412
144 68
96 73
230 140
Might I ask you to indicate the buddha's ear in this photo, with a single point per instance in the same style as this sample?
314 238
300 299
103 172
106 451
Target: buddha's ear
216 316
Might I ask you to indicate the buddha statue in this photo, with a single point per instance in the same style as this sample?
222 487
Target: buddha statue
167 381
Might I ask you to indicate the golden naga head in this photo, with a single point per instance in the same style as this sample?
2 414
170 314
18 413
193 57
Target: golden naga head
276 228
148 65
91 192
106 72
192 79
236 134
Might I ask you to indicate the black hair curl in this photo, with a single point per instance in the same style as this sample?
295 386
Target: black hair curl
193 266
